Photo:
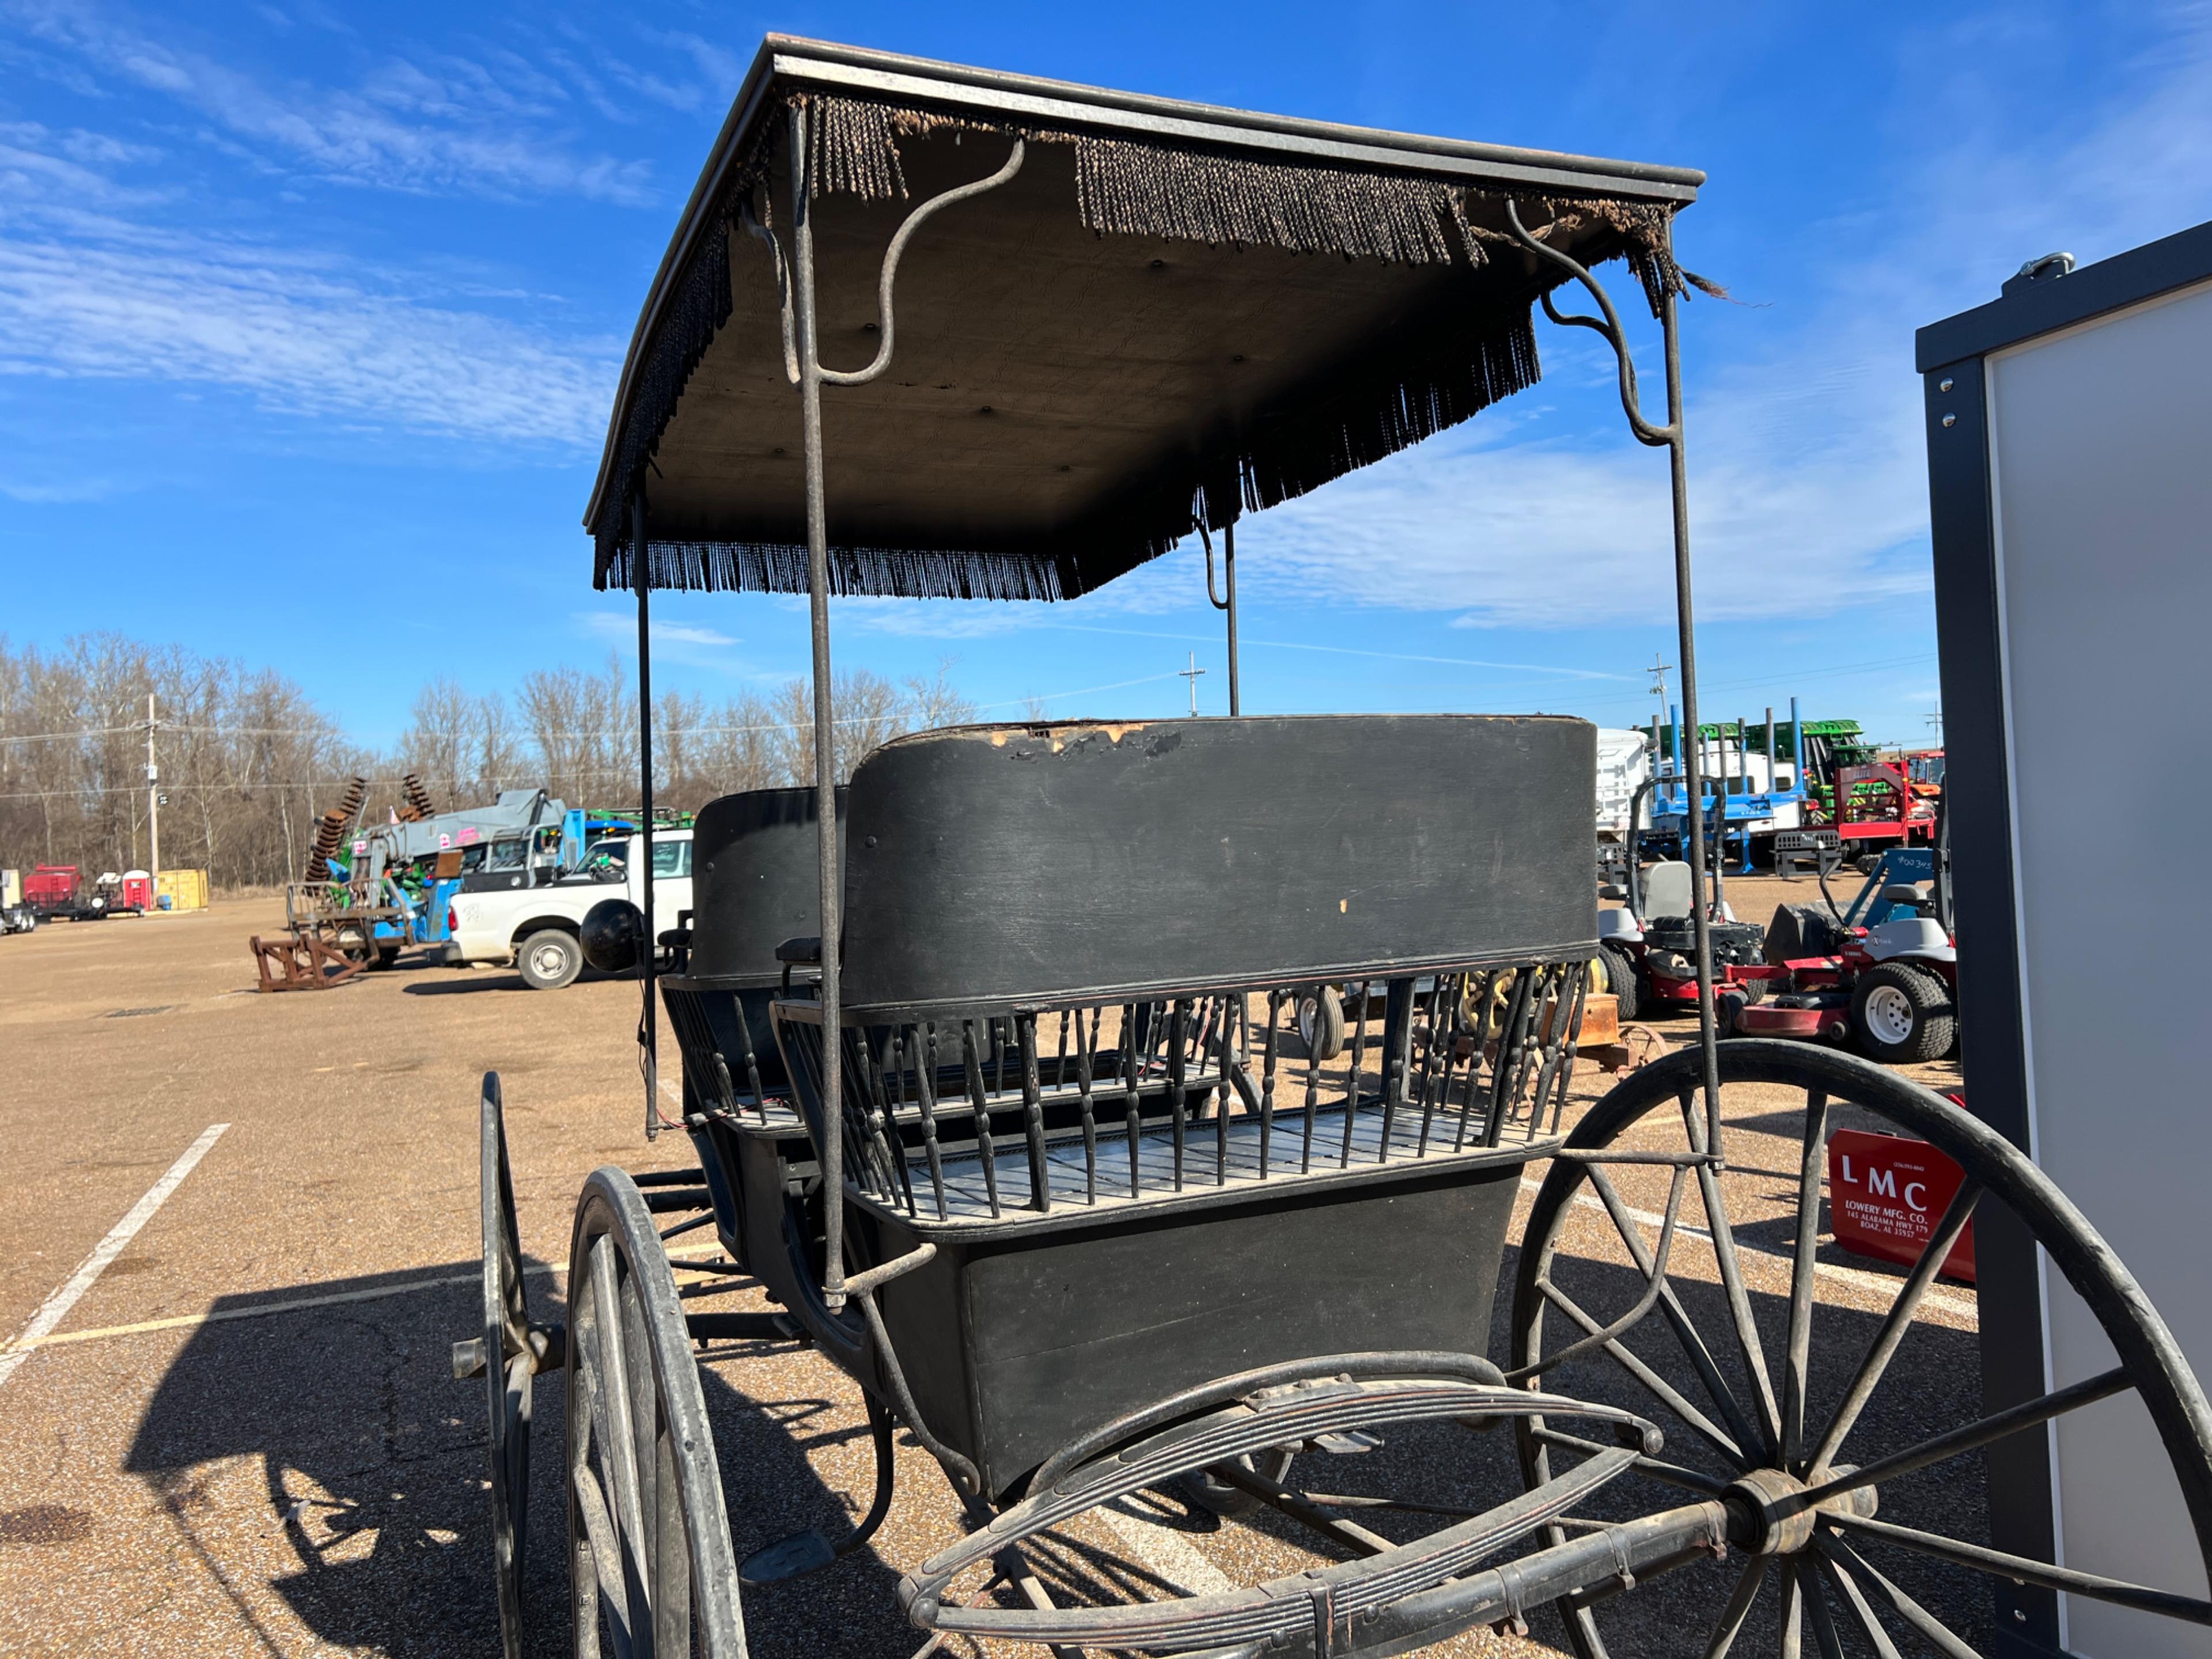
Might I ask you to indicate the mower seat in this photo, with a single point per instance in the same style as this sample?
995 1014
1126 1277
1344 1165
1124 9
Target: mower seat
1668 891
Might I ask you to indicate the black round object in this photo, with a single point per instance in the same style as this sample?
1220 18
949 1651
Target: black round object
613 935
1902 1012
1620 979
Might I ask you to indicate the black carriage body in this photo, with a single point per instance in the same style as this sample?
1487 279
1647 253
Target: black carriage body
1018 1337
1056 939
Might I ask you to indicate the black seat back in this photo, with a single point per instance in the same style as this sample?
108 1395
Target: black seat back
753 883
1003 867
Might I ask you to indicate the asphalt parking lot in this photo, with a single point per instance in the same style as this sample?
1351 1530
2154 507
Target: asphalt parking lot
244 1435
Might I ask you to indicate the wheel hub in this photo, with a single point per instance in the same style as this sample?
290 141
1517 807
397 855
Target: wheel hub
1768 1513
1889 1014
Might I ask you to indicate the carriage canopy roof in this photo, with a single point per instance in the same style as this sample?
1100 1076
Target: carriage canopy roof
1172 314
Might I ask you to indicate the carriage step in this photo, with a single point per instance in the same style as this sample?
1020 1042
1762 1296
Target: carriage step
742 1327
788 1558
663 1200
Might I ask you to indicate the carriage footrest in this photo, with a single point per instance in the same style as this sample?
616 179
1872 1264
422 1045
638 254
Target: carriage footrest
742 1327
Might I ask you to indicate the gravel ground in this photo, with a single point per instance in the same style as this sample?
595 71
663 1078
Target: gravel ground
202 1471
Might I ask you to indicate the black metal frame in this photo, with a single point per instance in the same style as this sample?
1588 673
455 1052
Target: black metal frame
1977 797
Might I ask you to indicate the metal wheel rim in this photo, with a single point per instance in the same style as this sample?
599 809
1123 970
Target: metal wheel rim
1889 1015
547 961
649 1539
507 1369
1831 1587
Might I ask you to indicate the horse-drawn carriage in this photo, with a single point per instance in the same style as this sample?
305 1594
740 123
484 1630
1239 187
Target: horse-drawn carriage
993 1068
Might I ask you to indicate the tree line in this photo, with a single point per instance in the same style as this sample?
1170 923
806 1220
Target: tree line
247 761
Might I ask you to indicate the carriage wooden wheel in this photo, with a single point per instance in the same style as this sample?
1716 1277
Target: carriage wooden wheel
1768 1398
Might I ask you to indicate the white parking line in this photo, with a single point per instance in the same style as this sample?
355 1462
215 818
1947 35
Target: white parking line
56 1306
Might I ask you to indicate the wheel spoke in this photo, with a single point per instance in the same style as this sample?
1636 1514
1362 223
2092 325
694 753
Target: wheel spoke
1856 1598
1672 1474
1973 1435
2041 1574
1798 1355
606 1552
672 1556
1793 1612
1660 1388
1678 1317
1816 1604
1654 1279
1751 1350
1738 1608
1932 1629
617 1446
1899 1320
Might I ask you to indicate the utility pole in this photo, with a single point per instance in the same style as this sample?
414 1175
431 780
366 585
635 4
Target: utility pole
1659 670
1191 674
153 797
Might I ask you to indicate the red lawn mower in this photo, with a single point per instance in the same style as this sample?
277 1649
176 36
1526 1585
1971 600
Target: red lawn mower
1647 954
1884 972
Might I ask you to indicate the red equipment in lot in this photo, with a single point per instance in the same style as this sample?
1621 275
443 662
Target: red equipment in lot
1648 955
57 892
1884 972
1886 1194
1877 804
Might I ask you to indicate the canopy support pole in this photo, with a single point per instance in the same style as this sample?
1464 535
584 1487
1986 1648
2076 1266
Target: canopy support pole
1687 744
1225 602
831 891
648 1030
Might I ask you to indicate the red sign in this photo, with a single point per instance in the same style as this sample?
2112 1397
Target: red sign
1886 1195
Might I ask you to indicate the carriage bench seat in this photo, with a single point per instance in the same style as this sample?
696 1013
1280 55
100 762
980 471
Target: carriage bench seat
1072 958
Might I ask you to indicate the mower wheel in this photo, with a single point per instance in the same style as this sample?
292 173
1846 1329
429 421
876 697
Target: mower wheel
1619 969
1901 1014
1799 930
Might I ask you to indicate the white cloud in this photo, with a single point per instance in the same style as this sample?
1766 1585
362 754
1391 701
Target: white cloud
1808 490
429 122
89 288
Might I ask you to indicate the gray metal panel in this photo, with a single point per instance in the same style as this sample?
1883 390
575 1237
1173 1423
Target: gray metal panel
998 866
2102 500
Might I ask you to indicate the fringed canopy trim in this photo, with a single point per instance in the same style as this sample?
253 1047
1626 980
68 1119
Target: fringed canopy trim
1154 187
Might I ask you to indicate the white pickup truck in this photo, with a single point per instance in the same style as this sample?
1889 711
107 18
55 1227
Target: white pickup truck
536 928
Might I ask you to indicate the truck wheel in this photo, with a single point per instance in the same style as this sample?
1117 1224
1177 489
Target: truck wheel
549 959
1620 980
1901 1014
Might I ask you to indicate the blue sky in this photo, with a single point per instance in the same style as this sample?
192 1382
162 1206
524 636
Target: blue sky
310 318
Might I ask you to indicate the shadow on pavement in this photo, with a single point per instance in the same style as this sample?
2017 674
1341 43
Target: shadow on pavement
375 1465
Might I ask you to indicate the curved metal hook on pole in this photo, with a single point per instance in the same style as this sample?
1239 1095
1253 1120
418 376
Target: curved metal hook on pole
1229 603
803 359
1669 438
